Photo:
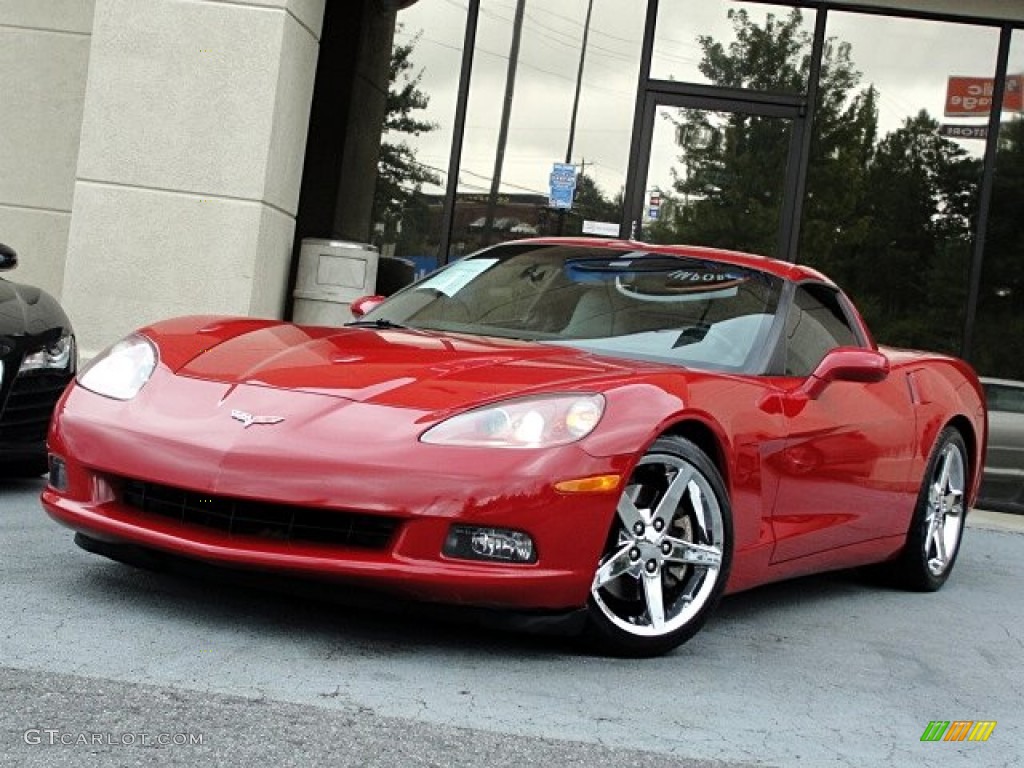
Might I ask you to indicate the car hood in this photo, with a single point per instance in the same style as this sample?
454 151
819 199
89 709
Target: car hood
404 368
15 304
27 310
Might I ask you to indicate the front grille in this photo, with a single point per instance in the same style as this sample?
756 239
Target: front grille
260 519
30 404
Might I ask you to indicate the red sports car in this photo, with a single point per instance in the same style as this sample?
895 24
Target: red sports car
582 428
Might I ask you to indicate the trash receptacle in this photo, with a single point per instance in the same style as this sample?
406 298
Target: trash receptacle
332 274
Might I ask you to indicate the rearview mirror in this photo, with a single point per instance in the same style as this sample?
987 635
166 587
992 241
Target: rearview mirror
8 258
364 304
846 364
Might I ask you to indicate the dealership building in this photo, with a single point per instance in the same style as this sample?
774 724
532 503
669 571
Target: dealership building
167 157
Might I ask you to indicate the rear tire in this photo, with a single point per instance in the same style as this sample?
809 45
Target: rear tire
937 528
668 554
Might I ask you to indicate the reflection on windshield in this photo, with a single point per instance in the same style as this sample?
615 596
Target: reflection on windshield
674 309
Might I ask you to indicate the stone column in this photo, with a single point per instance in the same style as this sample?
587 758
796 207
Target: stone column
44 57
187 186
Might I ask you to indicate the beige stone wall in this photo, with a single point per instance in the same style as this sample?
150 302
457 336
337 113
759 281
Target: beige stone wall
191 155
44 55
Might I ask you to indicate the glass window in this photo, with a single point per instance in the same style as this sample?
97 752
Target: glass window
891 200
717 178
815 325
998 338
723 42
540 119
425 63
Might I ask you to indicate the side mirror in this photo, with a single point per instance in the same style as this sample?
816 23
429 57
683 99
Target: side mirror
364 304
8 258
845 364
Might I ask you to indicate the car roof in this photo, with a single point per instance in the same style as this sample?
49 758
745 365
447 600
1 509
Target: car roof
783 269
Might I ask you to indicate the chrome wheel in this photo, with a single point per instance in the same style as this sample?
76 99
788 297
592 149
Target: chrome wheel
933 540
667 556
945 514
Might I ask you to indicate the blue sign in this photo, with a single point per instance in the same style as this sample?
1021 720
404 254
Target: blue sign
562 185
561 197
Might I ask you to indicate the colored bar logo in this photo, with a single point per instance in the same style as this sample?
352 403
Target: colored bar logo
958 730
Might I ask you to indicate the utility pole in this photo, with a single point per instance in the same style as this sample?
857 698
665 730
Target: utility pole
579 83
506 112
576 101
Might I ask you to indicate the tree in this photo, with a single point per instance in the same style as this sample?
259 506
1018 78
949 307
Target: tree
907 265
590 201
890 218
734 164
767 58
399 176
998 348
732 182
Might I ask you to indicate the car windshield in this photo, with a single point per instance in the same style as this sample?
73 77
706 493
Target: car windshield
666 308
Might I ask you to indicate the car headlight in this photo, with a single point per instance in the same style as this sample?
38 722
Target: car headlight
122 370
59 356
533 422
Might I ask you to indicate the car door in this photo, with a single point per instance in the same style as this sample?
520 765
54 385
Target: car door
844 468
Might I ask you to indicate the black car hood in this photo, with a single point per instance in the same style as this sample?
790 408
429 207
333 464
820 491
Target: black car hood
25 310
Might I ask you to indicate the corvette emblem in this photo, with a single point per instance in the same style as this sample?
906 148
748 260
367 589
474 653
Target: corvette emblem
248 419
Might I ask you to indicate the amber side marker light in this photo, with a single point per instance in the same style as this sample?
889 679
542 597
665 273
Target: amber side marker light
596 484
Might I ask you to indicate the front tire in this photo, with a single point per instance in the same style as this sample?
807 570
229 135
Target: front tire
668 554
937 528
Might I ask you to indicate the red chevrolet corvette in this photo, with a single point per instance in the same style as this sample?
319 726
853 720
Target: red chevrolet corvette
601 429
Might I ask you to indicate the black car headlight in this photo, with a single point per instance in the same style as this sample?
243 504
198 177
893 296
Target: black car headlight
58 356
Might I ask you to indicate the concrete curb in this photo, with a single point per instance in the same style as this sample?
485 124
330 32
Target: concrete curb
995 521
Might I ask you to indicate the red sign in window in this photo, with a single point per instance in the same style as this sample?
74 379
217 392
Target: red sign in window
971 96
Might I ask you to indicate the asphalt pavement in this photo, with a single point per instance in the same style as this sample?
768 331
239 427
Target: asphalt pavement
105 665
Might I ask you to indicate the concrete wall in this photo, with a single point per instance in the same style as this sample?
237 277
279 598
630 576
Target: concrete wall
193 136
44 55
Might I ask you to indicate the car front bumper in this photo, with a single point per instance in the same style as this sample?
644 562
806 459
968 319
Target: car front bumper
425 489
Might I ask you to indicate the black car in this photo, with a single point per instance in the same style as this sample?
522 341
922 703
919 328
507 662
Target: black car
37 360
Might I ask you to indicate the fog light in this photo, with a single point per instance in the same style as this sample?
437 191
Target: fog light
469 542
58 473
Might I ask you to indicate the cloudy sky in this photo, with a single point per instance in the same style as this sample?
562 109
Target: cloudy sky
908 61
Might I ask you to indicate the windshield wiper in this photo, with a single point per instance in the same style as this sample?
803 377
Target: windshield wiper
380 322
